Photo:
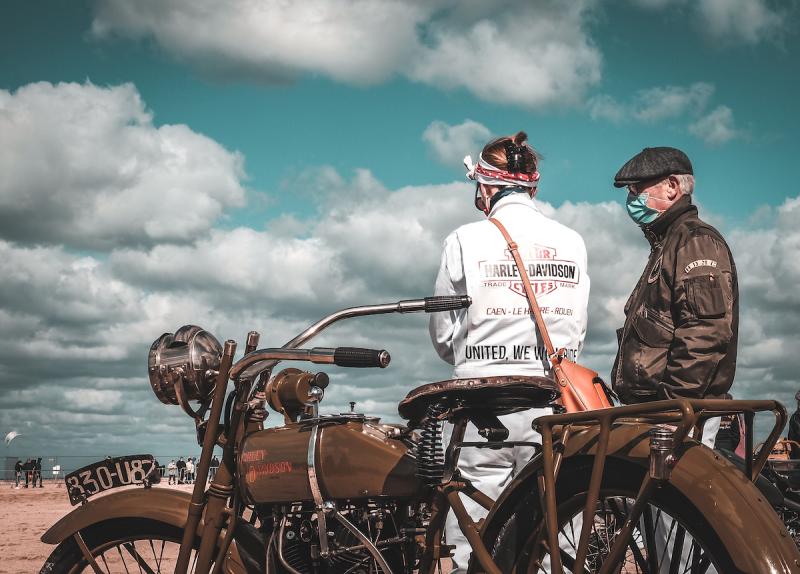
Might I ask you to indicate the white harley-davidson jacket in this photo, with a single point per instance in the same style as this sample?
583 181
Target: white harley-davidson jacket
497 334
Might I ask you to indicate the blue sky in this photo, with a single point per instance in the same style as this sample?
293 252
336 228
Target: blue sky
184 164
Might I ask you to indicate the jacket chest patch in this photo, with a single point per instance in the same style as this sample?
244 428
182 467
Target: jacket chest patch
656 270
700 263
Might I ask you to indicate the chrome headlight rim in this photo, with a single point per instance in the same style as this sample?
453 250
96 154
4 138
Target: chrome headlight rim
182 366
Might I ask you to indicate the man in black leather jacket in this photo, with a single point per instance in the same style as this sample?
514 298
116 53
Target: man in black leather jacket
681 327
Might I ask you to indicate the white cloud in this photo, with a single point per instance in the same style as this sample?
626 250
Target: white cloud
85 165
717 128
357 41
659 103
656 4
450 143
731 21
529 54
443 43
682 103
748 21
93 400
605 107
653 104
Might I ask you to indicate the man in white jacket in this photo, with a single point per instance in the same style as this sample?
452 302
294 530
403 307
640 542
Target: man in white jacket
497 335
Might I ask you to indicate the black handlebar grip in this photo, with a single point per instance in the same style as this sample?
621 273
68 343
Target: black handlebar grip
360 358
447 303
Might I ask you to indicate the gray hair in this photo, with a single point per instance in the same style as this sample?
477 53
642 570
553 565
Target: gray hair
686 183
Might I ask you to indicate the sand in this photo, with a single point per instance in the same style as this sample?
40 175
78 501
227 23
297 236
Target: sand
25 515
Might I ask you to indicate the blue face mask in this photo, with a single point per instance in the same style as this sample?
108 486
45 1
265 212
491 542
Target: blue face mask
638 209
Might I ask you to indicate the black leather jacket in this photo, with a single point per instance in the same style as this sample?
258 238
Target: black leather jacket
682 319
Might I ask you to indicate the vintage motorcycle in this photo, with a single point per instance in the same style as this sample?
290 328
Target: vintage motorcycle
625 489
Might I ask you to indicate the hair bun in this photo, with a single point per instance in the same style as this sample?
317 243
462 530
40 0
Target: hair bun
520 138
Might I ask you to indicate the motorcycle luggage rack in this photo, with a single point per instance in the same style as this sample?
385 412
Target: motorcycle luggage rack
685 415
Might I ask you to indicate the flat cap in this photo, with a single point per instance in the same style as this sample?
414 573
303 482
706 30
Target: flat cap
652 163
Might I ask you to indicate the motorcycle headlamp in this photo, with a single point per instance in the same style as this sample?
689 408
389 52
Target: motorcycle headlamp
183 366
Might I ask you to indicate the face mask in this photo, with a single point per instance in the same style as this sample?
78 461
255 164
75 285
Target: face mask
640 212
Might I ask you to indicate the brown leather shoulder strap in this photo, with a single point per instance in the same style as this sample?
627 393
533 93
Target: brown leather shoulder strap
535 311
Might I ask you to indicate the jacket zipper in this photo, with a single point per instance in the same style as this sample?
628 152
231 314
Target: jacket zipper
656 317
634 308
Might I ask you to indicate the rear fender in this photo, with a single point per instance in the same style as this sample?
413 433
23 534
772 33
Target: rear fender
731 504
162 504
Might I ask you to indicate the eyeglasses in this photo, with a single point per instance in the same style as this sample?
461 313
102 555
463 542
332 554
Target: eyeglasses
640 186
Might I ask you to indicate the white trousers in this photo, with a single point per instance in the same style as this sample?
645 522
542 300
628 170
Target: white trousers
490 471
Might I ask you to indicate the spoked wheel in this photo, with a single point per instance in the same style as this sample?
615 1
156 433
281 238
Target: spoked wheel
121 546
660 543
791 519
672 537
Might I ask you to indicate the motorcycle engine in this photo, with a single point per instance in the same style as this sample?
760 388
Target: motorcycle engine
385 524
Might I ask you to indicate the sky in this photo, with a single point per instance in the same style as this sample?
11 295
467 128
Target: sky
169 162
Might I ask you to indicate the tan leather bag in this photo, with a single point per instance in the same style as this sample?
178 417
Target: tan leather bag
581 388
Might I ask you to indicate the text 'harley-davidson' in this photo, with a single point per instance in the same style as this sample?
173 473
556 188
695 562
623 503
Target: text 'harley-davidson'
624 489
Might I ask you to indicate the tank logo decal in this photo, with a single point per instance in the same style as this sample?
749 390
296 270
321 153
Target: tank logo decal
254 455
259 470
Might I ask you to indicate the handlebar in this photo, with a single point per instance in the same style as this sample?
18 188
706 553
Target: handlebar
435 304
428 305
360 358
253 363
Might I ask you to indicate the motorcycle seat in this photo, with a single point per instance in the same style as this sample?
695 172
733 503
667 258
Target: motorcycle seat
498 395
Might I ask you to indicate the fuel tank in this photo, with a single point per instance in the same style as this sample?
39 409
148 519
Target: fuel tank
354 458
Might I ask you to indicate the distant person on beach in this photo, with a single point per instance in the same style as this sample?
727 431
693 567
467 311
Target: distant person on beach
212 470
181 464
37 472
190 470
17 473
27 467
172 472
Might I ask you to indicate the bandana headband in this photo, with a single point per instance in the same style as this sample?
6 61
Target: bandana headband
488 174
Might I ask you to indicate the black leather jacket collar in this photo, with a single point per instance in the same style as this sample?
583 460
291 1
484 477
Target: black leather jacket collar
657 230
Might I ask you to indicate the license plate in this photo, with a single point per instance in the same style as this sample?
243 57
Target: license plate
107 474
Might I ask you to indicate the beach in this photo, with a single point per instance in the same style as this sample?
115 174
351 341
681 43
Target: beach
25 514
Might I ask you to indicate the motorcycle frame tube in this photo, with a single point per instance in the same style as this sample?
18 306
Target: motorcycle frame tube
628 439
242 368
230 447
220 488
316 492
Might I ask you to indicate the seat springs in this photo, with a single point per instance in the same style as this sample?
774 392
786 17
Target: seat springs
430 454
